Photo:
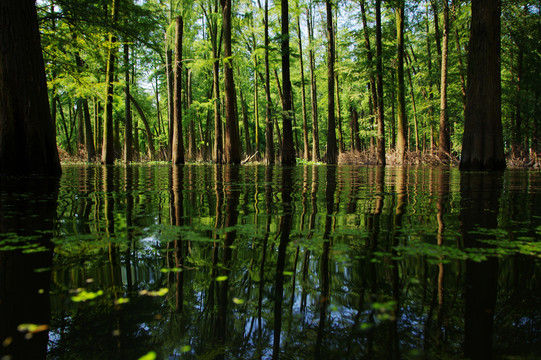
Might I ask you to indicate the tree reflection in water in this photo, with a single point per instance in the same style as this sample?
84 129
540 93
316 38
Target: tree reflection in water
303 262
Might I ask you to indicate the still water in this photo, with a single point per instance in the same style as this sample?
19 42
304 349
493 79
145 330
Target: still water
255 262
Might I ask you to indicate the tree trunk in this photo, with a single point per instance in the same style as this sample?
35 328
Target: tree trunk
380 146
177 156
445 141
170 101
128 130
192 147
288 151
482 145
369 57
108 151
332 147
231 138
517 151
256 107
306 152
269 138
148 132
27 131
313 86
245 125
401 121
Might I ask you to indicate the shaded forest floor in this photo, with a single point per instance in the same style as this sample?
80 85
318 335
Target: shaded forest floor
366 157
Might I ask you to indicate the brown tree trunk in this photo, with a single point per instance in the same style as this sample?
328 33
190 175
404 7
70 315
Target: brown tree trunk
177 156
269 138
128 132
306 152
401 120
332 146
445 141
482 144
288 151
380 146
27 132
192 148
369 57
107 150
313 86
170 101
231 138
148 132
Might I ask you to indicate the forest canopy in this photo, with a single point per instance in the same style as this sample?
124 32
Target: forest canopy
112 65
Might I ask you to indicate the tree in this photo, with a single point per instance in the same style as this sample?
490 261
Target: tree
269 141
380 145
128 133
313 84
332 147
27 131
231 138
306 152
177 156
108 152
482 144
445 141
288 151
402 124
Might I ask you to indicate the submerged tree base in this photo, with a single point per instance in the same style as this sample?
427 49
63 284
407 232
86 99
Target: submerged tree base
369 157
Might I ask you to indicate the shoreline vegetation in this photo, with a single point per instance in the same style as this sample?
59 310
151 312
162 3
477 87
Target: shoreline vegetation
365 157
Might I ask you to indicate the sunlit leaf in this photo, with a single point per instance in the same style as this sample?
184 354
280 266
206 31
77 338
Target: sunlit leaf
221 278
185 348
161 292
150 356
238 301
86 295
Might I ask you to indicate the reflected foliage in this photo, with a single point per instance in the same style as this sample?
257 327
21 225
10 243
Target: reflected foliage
222 262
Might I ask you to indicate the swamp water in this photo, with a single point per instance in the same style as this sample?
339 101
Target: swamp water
255 262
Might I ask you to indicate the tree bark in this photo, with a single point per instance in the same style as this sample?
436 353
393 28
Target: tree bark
401 120
231 138
482 144
332 147
128 132
288 151
27 131
380 146
445 141
148 132
108 151
306 152
269 138
313 86
177 156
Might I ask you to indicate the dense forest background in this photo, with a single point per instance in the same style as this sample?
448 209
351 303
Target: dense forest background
110 67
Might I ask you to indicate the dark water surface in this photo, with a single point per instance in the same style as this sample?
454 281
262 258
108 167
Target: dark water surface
255 262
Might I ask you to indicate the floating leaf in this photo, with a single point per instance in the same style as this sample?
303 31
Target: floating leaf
32 328
185 348
221 278
166 270
121 301
150 356
238 301
161 292
86 295
288 273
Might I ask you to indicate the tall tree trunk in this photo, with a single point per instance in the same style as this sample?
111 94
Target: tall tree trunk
454 9
516 131
245 125
445 141
369 57
231 139
482 144
332 147
313 86
355 138
269 138
128 132
416 123
177 156
306 152
192 148
27 133
430 84
148 132
107 150
401 121
380 146
256 107
170 100
288 151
